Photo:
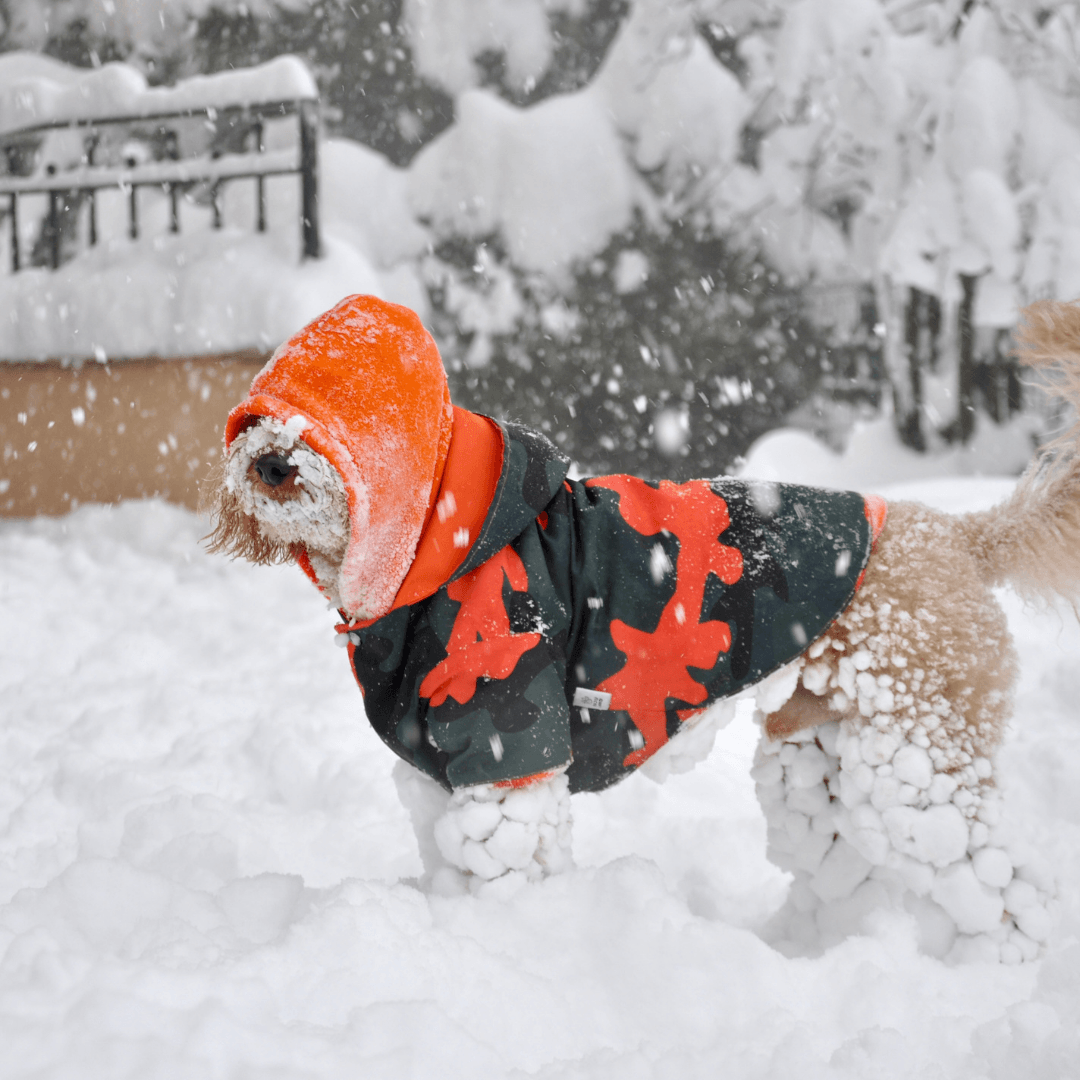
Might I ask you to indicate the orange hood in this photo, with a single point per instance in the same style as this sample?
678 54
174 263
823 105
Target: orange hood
367 379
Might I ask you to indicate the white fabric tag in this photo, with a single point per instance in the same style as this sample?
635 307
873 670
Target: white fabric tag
591 699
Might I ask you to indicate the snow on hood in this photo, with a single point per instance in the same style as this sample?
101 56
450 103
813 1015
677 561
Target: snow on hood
368 381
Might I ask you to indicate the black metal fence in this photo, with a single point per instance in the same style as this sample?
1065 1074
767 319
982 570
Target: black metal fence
173 151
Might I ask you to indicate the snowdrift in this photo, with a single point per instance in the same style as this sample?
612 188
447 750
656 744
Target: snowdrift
204 869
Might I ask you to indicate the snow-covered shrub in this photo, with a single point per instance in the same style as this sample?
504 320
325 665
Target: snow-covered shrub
666 355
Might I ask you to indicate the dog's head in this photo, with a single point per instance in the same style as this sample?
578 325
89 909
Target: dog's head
275 499
335 457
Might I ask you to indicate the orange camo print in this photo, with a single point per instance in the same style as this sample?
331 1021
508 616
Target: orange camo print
653 673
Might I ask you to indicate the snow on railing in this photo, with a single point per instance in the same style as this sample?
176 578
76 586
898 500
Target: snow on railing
115 133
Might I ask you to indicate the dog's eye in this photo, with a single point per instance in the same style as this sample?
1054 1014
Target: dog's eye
274 469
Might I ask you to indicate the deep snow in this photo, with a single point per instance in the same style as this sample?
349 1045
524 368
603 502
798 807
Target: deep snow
204 866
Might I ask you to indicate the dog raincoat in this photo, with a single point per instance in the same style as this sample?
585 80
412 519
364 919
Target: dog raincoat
544 622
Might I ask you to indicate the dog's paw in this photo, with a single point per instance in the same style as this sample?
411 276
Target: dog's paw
508 836
863 821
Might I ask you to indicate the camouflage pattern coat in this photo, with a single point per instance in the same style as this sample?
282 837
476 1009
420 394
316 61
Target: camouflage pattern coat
589 619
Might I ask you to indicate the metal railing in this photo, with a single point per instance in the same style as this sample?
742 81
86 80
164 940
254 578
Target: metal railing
68 188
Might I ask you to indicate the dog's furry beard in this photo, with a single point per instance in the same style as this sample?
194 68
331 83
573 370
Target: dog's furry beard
266 525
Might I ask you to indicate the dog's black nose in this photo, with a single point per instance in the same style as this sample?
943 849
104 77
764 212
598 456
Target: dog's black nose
273 469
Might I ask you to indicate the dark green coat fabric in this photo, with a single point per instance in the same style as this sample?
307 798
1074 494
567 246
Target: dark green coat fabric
667 597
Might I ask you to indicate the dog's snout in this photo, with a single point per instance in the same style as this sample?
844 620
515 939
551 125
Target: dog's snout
274 469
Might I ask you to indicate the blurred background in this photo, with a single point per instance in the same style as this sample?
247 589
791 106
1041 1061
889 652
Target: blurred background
656 230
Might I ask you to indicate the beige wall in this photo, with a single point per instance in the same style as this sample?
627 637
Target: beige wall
148 427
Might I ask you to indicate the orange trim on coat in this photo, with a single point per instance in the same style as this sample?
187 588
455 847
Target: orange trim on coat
517 782
469 479
877 510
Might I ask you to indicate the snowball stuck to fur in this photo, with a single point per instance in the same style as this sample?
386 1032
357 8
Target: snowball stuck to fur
913 766
492 832
942 788
771 694
877 747
808 800
513 843
886 791
815 678
767 773
808 767
1020 895
974 907
480 820
479 860
937 835
992 867
841 871
1035 922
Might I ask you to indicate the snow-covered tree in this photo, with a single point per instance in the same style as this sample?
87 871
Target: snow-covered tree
941 137
584 274
577 164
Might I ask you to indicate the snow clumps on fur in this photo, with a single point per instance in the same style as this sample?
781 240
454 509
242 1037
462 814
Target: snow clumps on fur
863 819
505 837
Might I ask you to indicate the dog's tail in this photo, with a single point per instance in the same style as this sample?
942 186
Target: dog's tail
1032 540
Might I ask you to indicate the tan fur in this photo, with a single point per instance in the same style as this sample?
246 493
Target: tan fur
926 613
1048 340
930 624
1032 540
802 710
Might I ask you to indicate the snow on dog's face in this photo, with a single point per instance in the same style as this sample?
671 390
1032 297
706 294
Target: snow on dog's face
275 498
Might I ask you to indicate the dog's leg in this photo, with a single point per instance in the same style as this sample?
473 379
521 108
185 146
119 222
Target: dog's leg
893 802
864 817
504 837
426 802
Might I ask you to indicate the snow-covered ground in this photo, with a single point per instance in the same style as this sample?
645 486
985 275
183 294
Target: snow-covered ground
204 866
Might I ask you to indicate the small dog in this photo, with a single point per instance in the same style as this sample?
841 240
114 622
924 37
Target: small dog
519 636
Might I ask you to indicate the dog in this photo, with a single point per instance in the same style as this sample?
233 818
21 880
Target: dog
519 635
